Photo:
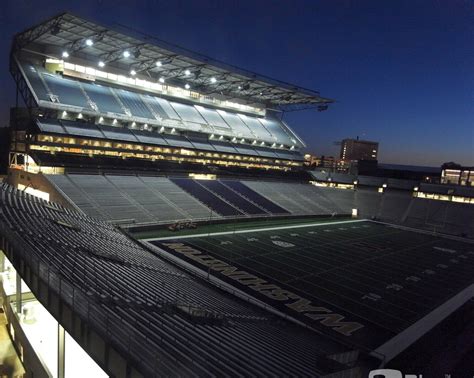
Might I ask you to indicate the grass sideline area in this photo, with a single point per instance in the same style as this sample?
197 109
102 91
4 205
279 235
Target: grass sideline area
233 225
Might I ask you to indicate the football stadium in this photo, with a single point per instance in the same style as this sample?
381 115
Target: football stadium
157 219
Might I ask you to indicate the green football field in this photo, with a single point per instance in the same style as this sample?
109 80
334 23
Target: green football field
386 278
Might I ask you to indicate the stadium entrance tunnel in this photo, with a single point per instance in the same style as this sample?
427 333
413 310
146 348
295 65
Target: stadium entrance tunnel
35 343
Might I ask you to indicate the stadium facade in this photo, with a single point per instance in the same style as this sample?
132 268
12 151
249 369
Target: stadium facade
122 133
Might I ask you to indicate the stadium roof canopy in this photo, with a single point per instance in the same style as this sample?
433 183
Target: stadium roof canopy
150 56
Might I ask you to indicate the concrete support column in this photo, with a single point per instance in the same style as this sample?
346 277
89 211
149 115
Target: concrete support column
61 351
2 261
18 298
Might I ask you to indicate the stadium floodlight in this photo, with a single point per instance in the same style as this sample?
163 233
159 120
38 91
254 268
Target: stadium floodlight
89 42
254 142
126 54
134 124
242 140
64 113
79 116
234 139
133 72
159 64
274 145
101 119
101 64
221 137
65 54
161 79
213 80
262 144
114 121
145 126
281 146
162 129
187 86
187 72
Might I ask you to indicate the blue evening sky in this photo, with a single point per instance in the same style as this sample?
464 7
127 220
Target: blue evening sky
402 71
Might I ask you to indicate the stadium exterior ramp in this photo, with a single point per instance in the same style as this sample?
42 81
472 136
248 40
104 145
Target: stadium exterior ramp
137 315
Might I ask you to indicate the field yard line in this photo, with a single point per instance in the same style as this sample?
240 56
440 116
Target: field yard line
254 230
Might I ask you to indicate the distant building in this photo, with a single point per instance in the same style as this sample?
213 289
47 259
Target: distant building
452 173
328 163
355 149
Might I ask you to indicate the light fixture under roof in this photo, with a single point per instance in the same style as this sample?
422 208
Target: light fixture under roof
159 64
187 72
187 86
161 79
213 80
239 87
101 64
89 42
65 54
126 54
133 72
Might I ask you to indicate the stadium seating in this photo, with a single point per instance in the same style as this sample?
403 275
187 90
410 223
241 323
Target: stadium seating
441 216
68 91
163 319
121 102
145 199
232 197
368 202
210 199
129 199
254 197
298 199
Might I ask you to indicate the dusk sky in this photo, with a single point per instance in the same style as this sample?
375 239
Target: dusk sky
402 72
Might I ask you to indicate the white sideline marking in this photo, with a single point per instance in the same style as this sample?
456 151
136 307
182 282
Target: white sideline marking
254 230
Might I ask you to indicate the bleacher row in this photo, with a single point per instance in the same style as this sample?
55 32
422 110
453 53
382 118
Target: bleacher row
115 102
134 299
142 199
